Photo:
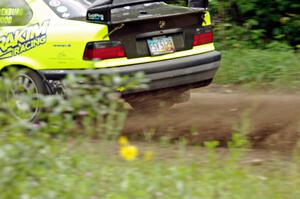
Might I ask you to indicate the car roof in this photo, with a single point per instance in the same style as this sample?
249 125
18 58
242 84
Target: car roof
68 9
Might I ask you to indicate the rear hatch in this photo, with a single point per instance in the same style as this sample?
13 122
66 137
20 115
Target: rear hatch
143 28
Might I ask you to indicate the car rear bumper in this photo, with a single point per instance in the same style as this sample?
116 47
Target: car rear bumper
189 71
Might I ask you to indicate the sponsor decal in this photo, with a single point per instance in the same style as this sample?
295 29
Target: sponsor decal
7 15
62 9
66 15
6 20
162 24
11 11
54 3
23 40
95 17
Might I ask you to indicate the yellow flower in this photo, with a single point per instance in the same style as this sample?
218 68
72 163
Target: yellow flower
148 155
123 141
129 152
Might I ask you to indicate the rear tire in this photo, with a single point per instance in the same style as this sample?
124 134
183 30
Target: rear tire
24 95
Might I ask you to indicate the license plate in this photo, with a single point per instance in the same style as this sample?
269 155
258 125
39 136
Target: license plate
161 45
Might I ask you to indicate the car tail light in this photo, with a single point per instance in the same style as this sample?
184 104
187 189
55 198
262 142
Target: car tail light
203 38
104 50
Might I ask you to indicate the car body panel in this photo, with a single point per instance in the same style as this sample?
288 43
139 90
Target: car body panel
207 19
65 45
66 41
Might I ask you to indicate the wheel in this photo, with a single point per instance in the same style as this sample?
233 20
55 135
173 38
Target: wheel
24 94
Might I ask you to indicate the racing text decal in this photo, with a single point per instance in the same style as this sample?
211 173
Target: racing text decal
23 40
7 15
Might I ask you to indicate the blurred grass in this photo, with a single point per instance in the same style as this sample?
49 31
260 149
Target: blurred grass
94 170
60 157
260 68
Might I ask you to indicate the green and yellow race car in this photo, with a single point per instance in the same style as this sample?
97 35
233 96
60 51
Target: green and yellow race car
172 45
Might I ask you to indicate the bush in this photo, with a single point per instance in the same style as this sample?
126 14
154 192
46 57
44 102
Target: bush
50 160
272 68
257 22
34 157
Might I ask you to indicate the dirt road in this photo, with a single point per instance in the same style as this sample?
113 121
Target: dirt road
270 120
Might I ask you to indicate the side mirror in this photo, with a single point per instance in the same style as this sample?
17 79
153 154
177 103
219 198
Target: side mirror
198 3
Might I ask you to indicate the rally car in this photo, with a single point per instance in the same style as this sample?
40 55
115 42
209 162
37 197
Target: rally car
172 45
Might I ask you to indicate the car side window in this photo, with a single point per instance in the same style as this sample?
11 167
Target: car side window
68 9
15 13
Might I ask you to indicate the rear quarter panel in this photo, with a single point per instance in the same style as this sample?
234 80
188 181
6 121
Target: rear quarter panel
64 45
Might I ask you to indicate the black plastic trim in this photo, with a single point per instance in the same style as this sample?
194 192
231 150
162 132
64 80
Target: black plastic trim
159 33
162 74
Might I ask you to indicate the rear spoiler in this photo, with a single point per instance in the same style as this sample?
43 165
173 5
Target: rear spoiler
100 11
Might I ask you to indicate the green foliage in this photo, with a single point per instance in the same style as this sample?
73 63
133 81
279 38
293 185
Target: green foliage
211 145
278 69
50 160
256 22
33 156
96 106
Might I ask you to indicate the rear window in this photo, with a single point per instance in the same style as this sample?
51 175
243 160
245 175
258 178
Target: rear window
76 8
68 8
14 13
116 1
